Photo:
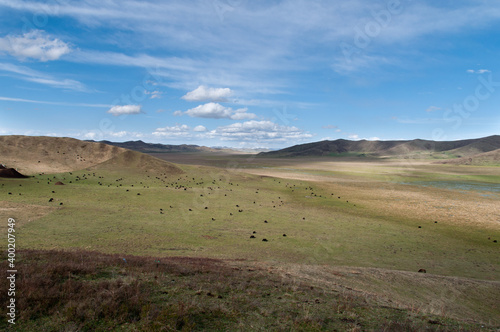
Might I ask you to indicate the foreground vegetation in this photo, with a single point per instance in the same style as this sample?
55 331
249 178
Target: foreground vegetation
255 244
90 291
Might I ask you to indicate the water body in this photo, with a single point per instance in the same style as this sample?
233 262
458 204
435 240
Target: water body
462 186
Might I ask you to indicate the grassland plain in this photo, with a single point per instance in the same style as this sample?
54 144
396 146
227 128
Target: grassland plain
368 243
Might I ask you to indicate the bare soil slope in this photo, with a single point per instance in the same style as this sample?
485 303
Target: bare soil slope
480 159
138 161
36 154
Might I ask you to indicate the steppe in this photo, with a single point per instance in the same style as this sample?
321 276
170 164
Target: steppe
220 241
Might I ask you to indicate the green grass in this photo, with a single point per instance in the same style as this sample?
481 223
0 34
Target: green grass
319 227
103 212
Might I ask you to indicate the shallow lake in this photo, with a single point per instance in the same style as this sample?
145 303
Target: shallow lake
462 186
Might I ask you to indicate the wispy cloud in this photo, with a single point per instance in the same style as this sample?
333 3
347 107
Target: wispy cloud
22 100
30 75
478 71
432 109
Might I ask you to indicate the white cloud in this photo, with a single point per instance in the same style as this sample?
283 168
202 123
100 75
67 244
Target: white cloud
329 127
259 131
125 110
353 136
178 113
203 93
174 131
35 44
153 94
200 128
217 111
479 71
98 135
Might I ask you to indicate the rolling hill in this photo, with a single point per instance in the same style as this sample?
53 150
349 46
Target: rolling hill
480 159
37 154
409 148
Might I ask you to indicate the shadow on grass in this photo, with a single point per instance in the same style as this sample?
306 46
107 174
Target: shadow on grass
91 291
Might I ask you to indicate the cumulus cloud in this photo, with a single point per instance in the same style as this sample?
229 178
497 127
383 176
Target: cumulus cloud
200 128
258 131
35 44
203 93
353 136
174 131
217 111
125 110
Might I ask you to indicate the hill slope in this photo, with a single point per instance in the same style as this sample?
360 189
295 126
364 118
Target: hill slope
486 158
35 154
389 148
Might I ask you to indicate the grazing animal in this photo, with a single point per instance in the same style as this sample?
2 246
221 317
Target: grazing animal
252 237
284 234
264 240
51 200
422 271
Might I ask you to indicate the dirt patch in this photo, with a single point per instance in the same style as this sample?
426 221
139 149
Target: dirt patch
22 213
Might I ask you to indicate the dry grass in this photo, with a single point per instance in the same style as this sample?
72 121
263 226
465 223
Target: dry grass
81 291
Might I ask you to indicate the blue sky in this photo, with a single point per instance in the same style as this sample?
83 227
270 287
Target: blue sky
250 74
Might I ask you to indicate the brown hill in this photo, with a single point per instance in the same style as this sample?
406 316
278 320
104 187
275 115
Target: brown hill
481 159
137 161
37 154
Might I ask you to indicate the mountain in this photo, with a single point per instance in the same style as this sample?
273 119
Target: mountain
408 148
143 147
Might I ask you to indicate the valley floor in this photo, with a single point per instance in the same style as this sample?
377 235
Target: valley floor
344 226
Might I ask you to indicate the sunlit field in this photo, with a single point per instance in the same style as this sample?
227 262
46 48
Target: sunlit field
338 224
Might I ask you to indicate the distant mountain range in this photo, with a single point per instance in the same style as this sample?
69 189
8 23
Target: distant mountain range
160 148
416 148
